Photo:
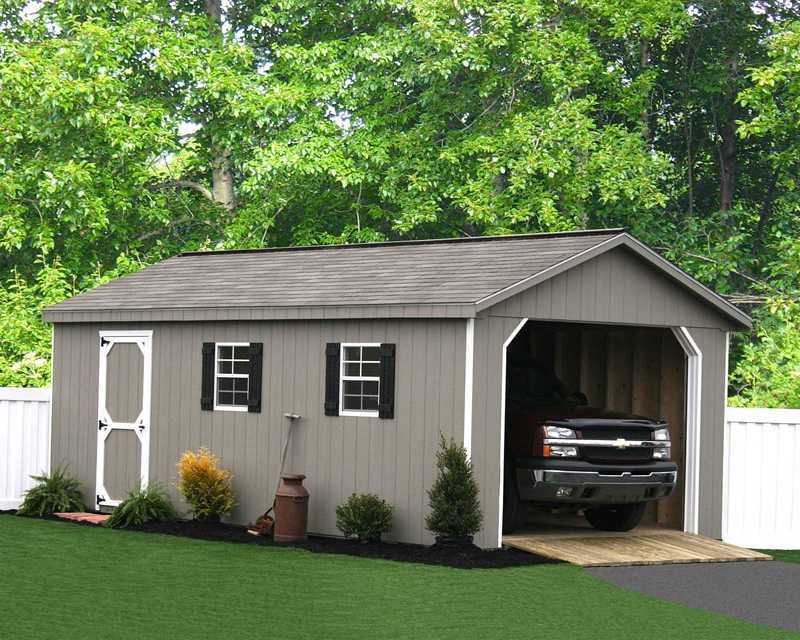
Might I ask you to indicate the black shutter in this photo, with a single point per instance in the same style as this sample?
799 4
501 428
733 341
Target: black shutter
254 388
386 392
332 351
207 390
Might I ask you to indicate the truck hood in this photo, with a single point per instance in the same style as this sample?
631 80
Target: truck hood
587 417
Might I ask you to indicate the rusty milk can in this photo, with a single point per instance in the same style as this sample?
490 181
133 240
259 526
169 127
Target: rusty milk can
291 509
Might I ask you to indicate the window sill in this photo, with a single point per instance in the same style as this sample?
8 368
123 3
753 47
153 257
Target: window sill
229 408
359 414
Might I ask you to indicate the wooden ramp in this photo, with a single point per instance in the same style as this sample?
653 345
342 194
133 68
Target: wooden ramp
608 550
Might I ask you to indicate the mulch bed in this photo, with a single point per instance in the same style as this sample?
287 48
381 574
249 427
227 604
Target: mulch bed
456 556
459 556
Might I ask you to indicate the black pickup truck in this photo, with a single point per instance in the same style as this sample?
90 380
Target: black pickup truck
562 453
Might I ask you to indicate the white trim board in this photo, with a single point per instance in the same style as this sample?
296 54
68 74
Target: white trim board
694 387
469 363
499 540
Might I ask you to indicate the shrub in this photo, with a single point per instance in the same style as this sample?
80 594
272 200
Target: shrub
54 493
365 516
205 487
143 505
455 508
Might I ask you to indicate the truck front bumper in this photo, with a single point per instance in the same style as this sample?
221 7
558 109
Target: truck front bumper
582 483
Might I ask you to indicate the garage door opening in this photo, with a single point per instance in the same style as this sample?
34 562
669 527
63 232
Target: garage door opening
607 371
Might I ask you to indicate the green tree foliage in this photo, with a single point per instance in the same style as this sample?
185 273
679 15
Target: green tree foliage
454 496
133 129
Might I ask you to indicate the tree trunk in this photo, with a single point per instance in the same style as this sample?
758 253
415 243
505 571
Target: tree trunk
222 184
222 179
644 64
727 166
214 11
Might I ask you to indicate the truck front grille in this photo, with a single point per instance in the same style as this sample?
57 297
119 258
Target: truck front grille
632 455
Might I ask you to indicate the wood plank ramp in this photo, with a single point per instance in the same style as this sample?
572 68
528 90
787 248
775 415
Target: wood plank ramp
673 547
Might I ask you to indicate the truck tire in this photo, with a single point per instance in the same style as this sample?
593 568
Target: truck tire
619 517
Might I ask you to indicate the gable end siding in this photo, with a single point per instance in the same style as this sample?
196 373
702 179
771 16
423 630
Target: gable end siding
616 287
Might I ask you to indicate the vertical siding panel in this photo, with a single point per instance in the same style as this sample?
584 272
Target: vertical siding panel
574 301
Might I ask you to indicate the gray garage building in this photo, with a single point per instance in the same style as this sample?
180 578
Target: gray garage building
379 347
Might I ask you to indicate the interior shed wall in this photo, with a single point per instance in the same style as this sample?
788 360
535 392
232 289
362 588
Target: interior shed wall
491 333
340 455
640 370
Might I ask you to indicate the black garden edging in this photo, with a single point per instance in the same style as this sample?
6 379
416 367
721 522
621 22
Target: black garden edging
447 555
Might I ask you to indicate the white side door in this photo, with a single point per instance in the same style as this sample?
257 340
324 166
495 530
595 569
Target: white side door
123 414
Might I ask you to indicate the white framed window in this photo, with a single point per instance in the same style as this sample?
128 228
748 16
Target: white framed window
359 380
231 376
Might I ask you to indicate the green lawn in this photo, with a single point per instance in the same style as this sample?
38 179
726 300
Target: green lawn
59 580
784 556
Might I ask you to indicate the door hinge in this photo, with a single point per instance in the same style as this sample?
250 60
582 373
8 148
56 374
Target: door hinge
104 342
141 427
101 425
100 499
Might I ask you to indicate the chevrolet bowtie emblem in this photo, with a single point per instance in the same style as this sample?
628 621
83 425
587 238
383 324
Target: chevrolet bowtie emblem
621 443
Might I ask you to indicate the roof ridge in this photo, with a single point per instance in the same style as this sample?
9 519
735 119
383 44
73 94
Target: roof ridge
399 243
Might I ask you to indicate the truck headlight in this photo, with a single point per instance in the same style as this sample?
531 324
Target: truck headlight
551 431
661 435
551 451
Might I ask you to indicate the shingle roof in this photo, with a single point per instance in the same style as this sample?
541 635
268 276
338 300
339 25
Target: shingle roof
456 274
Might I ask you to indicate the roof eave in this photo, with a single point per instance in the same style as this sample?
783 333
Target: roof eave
314 312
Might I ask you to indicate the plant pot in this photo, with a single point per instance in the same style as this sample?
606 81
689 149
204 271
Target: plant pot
454 541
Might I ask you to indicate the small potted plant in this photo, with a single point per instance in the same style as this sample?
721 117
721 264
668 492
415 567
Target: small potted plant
454 498
365 516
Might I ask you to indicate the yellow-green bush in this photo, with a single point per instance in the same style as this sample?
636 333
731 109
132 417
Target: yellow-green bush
205 487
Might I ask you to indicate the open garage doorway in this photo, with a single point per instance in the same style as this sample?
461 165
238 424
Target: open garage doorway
609 370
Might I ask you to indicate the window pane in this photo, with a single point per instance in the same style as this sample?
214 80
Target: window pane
225 384
371 388
240 399
352 369
352 403
240 384
352 353
352 387
241 353
371 353
224 366
226 352
241 367
370 403
371 370
225 397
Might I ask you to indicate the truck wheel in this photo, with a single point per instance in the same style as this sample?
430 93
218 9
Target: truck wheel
514 509
620 517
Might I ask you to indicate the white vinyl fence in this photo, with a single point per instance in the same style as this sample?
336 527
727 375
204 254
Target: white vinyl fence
761 483
761 495
24 441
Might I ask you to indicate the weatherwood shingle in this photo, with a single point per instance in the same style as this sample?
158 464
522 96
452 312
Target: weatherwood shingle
448 274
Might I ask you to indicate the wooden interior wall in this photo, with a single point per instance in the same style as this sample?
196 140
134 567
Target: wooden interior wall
637 370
